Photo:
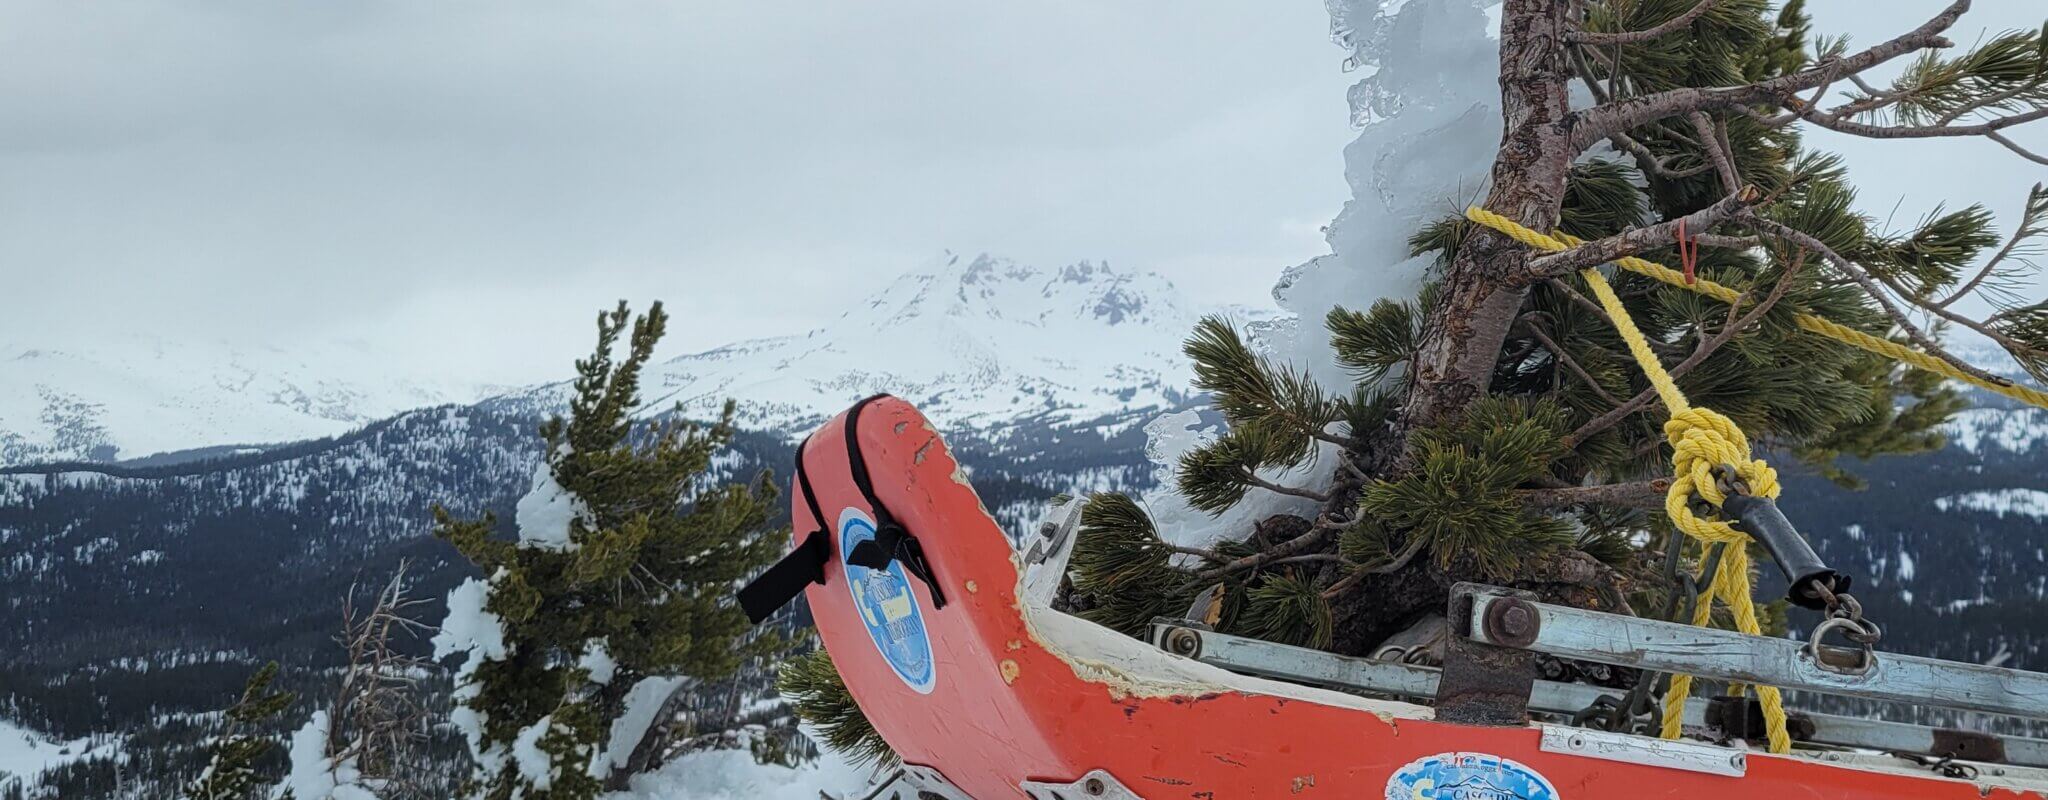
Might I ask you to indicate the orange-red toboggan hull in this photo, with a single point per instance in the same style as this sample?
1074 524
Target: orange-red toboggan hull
994 701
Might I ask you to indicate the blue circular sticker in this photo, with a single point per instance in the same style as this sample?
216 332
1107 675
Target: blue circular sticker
1468 776
887 607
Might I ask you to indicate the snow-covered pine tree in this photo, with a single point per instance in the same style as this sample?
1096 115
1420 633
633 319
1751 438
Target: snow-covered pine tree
1496 428
232 774
621 575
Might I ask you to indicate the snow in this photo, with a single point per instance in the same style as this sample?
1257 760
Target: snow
1430 117
1430 123
545 514
469 628
130 397
643 702
533 762
480 634
2016 502
313 775
25 753
1180 523
597 660
974 341
733 775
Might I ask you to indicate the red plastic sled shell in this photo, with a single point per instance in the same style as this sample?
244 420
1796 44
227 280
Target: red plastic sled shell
1020 693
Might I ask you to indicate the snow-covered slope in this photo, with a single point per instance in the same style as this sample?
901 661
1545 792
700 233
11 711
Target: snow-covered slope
974 341
134 397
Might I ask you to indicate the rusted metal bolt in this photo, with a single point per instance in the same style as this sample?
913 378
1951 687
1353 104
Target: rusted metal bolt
1518 621
1094 787
1184 642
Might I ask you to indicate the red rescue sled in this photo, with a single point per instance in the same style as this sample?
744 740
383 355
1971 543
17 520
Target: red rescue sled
987 696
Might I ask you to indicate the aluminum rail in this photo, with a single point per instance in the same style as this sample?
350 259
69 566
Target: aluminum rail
1639 643
1315 667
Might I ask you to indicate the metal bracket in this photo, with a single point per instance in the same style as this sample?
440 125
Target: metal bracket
926 783
1632 749
1486 681
1096 785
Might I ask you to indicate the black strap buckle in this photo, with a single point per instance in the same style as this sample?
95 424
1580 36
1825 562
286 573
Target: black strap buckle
893 543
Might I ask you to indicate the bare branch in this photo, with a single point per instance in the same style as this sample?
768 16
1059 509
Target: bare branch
2020 234
1648 495
1862 278
1718 151
1295 546
1282 489
1562 357
1406 555
1596 39
1640 239
1594 124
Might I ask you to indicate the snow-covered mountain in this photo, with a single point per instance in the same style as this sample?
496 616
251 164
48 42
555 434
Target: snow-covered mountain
134 397
979 342
974 341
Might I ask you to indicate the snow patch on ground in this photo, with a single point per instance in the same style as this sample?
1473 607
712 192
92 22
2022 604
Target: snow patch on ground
2012 430
643 702
313 775
2016 502
734 775
24 753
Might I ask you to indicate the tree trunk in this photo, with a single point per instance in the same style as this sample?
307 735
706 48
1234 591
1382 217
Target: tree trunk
1488 278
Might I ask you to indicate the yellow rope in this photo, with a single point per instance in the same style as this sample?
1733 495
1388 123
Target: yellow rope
1701 439
1806 322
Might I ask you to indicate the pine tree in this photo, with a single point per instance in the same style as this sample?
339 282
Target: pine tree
232 772
1497 428
623 572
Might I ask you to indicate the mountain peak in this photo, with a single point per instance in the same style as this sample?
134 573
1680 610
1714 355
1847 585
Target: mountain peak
974 340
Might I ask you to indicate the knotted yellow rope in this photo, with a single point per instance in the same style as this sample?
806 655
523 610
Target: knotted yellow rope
1701 439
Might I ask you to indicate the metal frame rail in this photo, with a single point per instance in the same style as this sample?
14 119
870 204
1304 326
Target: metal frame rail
1503 621
1386 678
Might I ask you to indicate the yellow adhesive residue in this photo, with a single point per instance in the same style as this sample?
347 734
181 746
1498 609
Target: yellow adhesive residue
972 587
1304 782
1009 669
1016 645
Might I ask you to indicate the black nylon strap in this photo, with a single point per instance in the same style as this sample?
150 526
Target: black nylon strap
805 565
892 541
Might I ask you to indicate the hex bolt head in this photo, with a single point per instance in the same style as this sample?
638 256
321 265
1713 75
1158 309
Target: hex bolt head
1517 620
1094 787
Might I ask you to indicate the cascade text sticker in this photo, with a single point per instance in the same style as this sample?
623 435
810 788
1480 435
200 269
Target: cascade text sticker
1468 776
888 607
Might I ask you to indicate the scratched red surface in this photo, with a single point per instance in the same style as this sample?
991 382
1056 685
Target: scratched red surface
1005 710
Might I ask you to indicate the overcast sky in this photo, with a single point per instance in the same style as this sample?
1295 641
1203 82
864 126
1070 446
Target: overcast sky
467 181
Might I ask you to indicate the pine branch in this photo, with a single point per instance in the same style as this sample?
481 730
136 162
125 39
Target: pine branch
1699 356
1642 239
1599 122
1598 39
1647 495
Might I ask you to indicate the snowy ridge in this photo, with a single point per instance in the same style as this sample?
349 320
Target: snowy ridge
2017 502
975 342
135 397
